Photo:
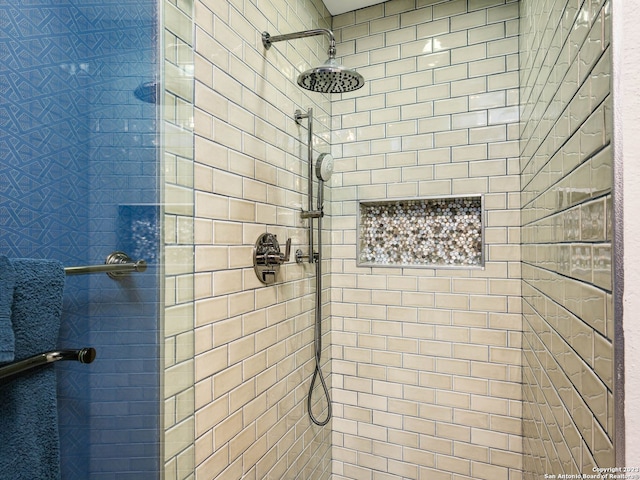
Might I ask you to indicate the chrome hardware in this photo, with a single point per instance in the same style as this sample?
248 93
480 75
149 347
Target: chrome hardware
311 214
121 258
301 257
298 116
116 265
8 372
267 257
330 77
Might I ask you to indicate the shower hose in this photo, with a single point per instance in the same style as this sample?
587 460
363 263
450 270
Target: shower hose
317 342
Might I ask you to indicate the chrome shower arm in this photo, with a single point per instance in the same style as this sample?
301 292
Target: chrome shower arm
330 77
267 39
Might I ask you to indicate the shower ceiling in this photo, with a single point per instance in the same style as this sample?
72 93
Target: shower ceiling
336 7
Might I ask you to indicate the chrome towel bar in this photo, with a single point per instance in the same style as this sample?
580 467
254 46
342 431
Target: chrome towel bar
116 265
84 355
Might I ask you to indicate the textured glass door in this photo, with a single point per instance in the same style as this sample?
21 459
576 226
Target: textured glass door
79 179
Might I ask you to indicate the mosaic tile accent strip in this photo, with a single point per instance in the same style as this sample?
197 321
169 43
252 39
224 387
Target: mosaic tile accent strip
422 232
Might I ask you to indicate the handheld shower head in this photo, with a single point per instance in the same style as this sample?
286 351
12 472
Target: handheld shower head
324 170
324 167
330 77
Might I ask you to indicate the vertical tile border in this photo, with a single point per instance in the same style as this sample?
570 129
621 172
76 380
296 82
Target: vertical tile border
177 159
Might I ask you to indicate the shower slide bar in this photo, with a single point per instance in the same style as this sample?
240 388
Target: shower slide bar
310 213
84 355
116 265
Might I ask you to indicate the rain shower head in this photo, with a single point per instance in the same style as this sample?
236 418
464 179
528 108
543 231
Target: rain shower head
330 77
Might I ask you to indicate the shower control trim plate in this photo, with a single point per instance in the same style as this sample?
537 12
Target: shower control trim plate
267 257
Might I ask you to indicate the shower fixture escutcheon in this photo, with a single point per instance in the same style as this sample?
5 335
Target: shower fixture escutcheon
267 257
330 77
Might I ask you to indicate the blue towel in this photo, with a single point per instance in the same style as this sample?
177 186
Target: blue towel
29 445
7 338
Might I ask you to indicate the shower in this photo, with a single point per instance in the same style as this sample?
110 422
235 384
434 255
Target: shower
323 171
330 77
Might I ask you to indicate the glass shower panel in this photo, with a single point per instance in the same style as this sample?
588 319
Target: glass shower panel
79 179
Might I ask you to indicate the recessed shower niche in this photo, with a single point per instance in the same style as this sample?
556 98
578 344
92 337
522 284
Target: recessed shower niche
421 232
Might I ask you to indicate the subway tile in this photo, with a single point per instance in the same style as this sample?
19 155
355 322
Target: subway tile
434 124
454 432
398 7
385 85
507 80
487 33
486 67
427 62
401 128
372 42
354 31
434 28
503 115
433 92
467 153
469 20
451 73
418 47
469 120
385 54
449 9
487 100
401 97
449 139
502 13
501 47
449 106
448 41
468 87
376 25
399 36
414 162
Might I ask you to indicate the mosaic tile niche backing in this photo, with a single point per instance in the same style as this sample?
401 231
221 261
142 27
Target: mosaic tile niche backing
421 232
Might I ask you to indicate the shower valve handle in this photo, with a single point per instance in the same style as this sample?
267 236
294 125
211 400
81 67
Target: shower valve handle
276 257
267 257
287 252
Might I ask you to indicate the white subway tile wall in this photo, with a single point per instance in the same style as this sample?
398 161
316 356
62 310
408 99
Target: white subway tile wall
426 368
424 364
253 343
566 164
